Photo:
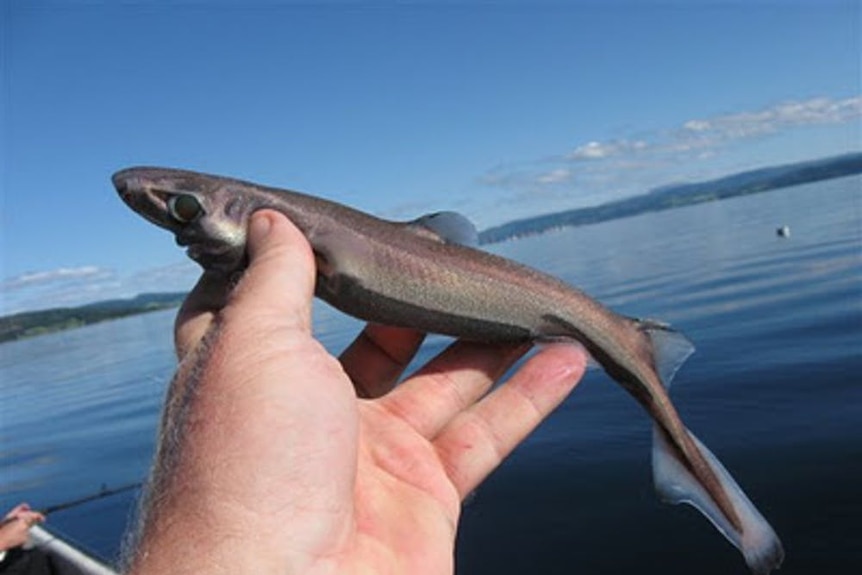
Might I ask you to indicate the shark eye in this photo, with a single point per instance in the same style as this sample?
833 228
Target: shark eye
185 208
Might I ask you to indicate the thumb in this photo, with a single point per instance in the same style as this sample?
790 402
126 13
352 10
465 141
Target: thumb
279 281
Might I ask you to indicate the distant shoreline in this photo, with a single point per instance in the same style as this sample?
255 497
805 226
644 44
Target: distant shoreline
35 323
677 196
42 322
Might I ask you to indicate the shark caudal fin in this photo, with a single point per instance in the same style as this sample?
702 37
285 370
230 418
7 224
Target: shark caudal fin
675 483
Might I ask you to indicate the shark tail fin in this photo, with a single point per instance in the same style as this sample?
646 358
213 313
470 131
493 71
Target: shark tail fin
675 483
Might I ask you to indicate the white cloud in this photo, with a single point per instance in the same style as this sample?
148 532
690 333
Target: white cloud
698 135
69 287
602 150
59 275
697 125
697 148
56 288
555 176
694 139
593 151
774 118
179 276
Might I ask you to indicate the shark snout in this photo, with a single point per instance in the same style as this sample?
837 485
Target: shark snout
119 182
125 182
137 191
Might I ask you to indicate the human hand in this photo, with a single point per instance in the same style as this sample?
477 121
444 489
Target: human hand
15 527
268 462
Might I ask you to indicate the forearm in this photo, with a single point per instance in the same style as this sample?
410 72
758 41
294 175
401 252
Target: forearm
189 523
218 501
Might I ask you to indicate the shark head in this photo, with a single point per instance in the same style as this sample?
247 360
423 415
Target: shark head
202 212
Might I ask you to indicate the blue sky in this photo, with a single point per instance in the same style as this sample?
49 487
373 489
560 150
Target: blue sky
498 110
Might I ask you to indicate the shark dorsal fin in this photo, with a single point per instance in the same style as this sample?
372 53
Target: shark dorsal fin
447 227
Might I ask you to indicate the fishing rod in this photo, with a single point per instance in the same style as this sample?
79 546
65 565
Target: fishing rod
103 492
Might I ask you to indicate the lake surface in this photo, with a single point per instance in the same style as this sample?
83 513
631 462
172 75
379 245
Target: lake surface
774 389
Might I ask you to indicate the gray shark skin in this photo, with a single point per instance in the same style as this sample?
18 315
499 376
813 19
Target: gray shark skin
420 274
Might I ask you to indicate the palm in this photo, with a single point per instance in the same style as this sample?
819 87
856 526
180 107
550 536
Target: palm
423 446
403 501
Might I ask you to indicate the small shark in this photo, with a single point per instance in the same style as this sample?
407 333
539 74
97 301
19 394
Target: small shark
427 274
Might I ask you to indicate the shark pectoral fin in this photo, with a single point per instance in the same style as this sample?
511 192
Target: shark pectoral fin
675 484
447 227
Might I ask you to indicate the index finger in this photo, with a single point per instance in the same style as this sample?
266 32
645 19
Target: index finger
198 311
478 439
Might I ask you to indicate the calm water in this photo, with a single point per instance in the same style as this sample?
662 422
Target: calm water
774 390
